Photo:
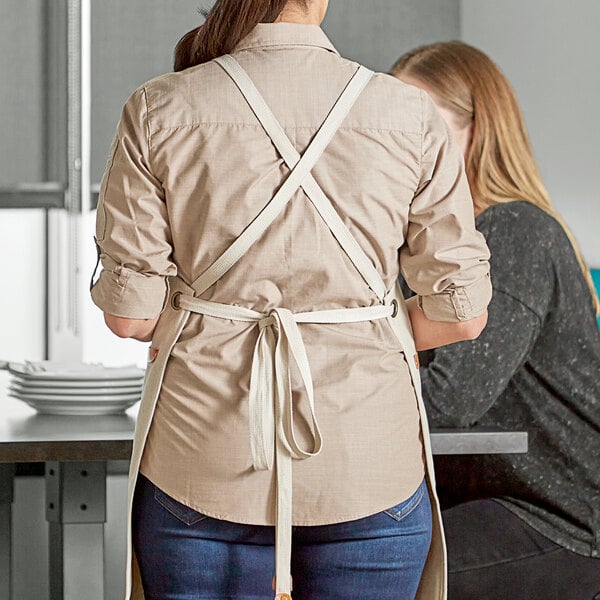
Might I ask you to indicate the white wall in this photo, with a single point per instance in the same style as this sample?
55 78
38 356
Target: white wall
22 250
550 51
22 291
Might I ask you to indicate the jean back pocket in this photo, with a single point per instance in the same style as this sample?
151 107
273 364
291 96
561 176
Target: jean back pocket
402 510
180 511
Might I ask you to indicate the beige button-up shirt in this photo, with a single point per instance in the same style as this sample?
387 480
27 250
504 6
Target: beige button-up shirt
189 170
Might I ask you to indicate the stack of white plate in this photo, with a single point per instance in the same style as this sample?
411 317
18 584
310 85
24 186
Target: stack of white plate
75 389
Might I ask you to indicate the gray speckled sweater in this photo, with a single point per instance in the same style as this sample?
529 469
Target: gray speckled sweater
536 366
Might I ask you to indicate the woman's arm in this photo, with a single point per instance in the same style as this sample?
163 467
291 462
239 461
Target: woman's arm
444 259
463 381
132 230
427 334
138 329
433 334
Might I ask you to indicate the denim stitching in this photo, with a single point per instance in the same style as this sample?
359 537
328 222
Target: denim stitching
175 508
409 508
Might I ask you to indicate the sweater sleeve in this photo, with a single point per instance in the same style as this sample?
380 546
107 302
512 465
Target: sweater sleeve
462 381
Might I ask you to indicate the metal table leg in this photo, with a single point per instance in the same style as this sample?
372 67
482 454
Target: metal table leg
76 512
7 472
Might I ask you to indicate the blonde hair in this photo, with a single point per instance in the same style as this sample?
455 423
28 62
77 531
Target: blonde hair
500 164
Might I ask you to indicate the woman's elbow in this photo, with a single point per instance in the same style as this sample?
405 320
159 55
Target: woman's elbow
471 329
120 326
138 329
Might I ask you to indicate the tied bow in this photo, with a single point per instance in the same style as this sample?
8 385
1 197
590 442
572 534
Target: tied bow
271 411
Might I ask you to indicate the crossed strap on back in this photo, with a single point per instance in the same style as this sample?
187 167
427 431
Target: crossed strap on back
279 343
293 159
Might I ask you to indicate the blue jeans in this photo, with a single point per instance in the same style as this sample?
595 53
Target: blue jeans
185 555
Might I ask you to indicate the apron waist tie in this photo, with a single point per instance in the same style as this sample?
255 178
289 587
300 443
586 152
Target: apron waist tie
270 409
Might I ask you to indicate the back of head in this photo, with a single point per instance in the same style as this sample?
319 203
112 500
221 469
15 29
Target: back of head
226 24
500 164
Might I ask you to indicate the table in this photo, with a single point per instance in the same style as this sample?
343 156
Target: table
75 451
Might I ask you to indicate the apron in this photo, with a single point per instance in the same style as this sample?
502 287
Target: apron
279 345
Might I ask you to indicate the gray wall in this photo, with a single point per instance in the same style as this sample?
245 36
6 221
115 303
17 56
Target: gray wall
132 42
376 32
550 51
21 92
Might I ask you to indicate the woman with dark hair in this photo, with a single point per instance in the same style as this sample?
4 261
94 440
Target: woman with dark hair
524 526
258 206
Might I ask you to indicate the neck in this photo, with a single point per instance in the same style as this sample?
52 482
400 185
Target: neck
295 12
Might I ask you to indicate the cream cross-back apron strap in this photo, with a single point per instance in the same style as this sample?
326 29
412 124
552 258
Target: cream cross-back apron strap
312 189
398 320
279 343
294 181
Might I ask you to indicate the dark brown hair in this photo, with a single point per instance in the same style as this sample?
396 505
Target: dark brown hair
227 23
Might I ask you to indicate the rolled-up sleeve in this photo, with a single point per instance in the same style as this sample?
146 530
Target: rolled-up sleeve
132 228
445 260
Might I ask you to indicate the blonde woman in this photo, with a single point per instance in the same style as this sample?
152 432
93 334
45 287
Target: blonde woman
524 526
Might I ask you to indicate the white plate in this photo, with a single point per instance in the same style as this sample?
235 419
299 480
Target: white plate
74 398
76 372
83 385
42 388
87 409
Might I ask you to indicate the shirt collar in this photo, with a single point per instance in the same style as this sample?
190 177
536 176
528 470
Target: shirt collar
266 35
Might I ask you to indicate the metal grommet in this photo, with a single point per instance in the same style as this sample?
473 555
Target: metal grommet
395 306
175 301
